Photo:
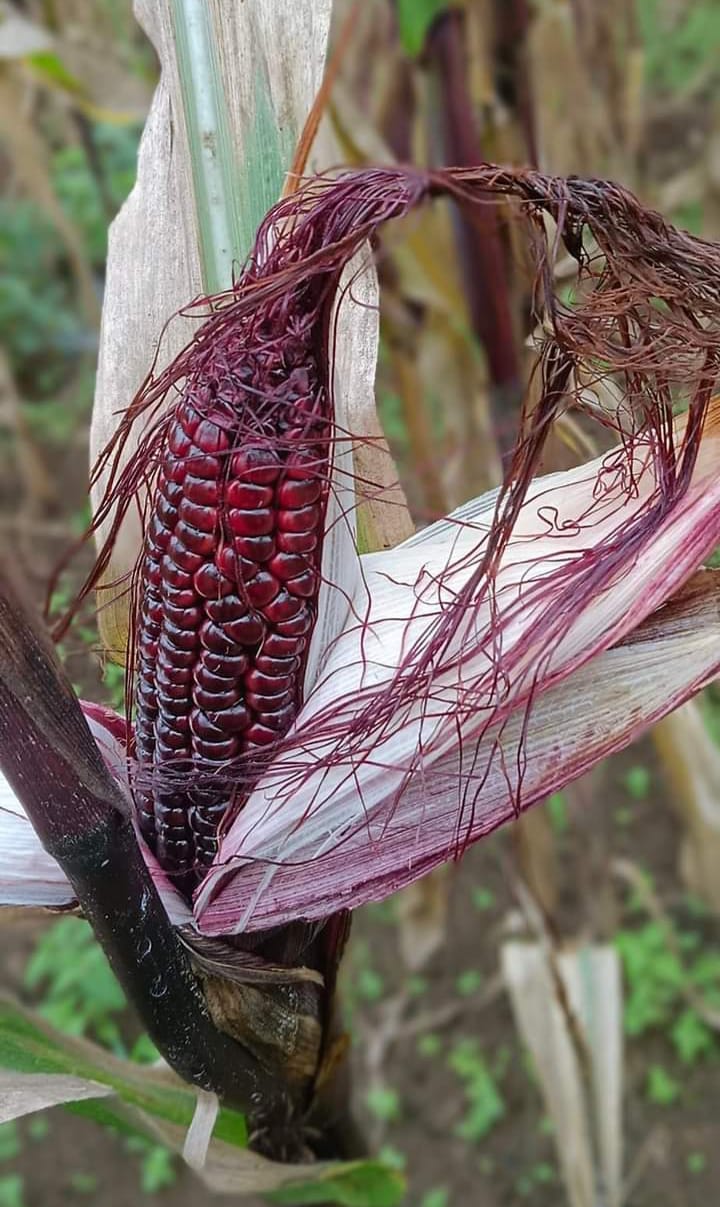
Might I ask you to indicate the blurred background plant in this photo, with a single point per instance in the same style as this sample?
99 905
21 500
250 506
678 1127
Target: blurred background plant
623 868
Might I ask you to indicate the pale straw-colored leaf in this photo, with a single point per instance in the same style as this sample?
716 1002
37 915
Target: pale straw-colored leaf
19 36
24 1093
691 763
576 1044
267 64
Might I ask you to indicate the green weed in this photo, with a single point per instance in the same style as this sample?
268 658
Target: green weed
485 1104
11 1191
661 1089
657 978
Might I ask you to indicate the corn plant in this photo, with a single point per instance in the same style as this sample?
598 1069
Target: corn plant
310 727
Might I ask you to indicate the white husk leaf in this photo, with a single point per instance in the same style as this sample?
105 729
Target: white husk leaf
361 842
586 1119
199 1133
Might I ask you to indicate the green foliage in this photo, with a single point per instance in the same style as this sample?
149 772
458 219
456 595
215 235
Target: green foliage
83 1183
661 1088
11 1191
40 328
691 1037
483 899
439 1196
384 1103
468 982
38 1127
692 30
364 1184
637 782
392 1157
414 20
540 1174
696 1163
416 985
81 994
28 1045
429 1045
558 809
369 985
90 194
657 977
485 1105
9 1141
157 1164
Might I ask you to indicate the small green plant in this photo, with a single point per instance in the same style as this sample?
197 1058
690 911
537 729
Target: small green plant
417 985
370 986
83 1183
542 1173
657 977
11 1191
392 1157
636 781
429 1045
439 1196
9 1141
485 1104
38 1127
661 1089
557 808
384 1103
157 1165
468 982
482 898
696 1163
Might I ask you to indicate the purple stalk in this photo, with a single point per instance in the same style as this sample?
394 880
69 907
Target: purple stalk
481 251
82 819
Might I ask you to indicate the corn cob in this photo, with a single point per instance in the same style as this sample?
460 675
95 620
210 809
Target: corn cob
229 580
227 587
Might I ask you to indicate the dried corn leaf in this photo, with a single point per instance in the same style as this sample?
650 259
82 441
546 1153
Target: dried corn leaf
691 762
580 1074
23 1093
268 63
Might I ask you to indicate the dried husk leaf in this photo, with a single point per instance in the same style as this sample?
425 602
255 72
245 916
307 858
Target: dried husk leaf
584 1103
23 1093
691 762
270 61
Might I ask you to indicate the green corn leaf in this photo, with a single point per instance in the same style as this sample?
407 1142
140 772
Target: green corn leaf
29 1045
154 1104
363 1184
414 20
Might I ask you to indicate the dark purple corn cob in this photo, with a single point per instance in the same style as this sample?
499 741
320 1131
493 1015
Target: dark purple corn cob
229 583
